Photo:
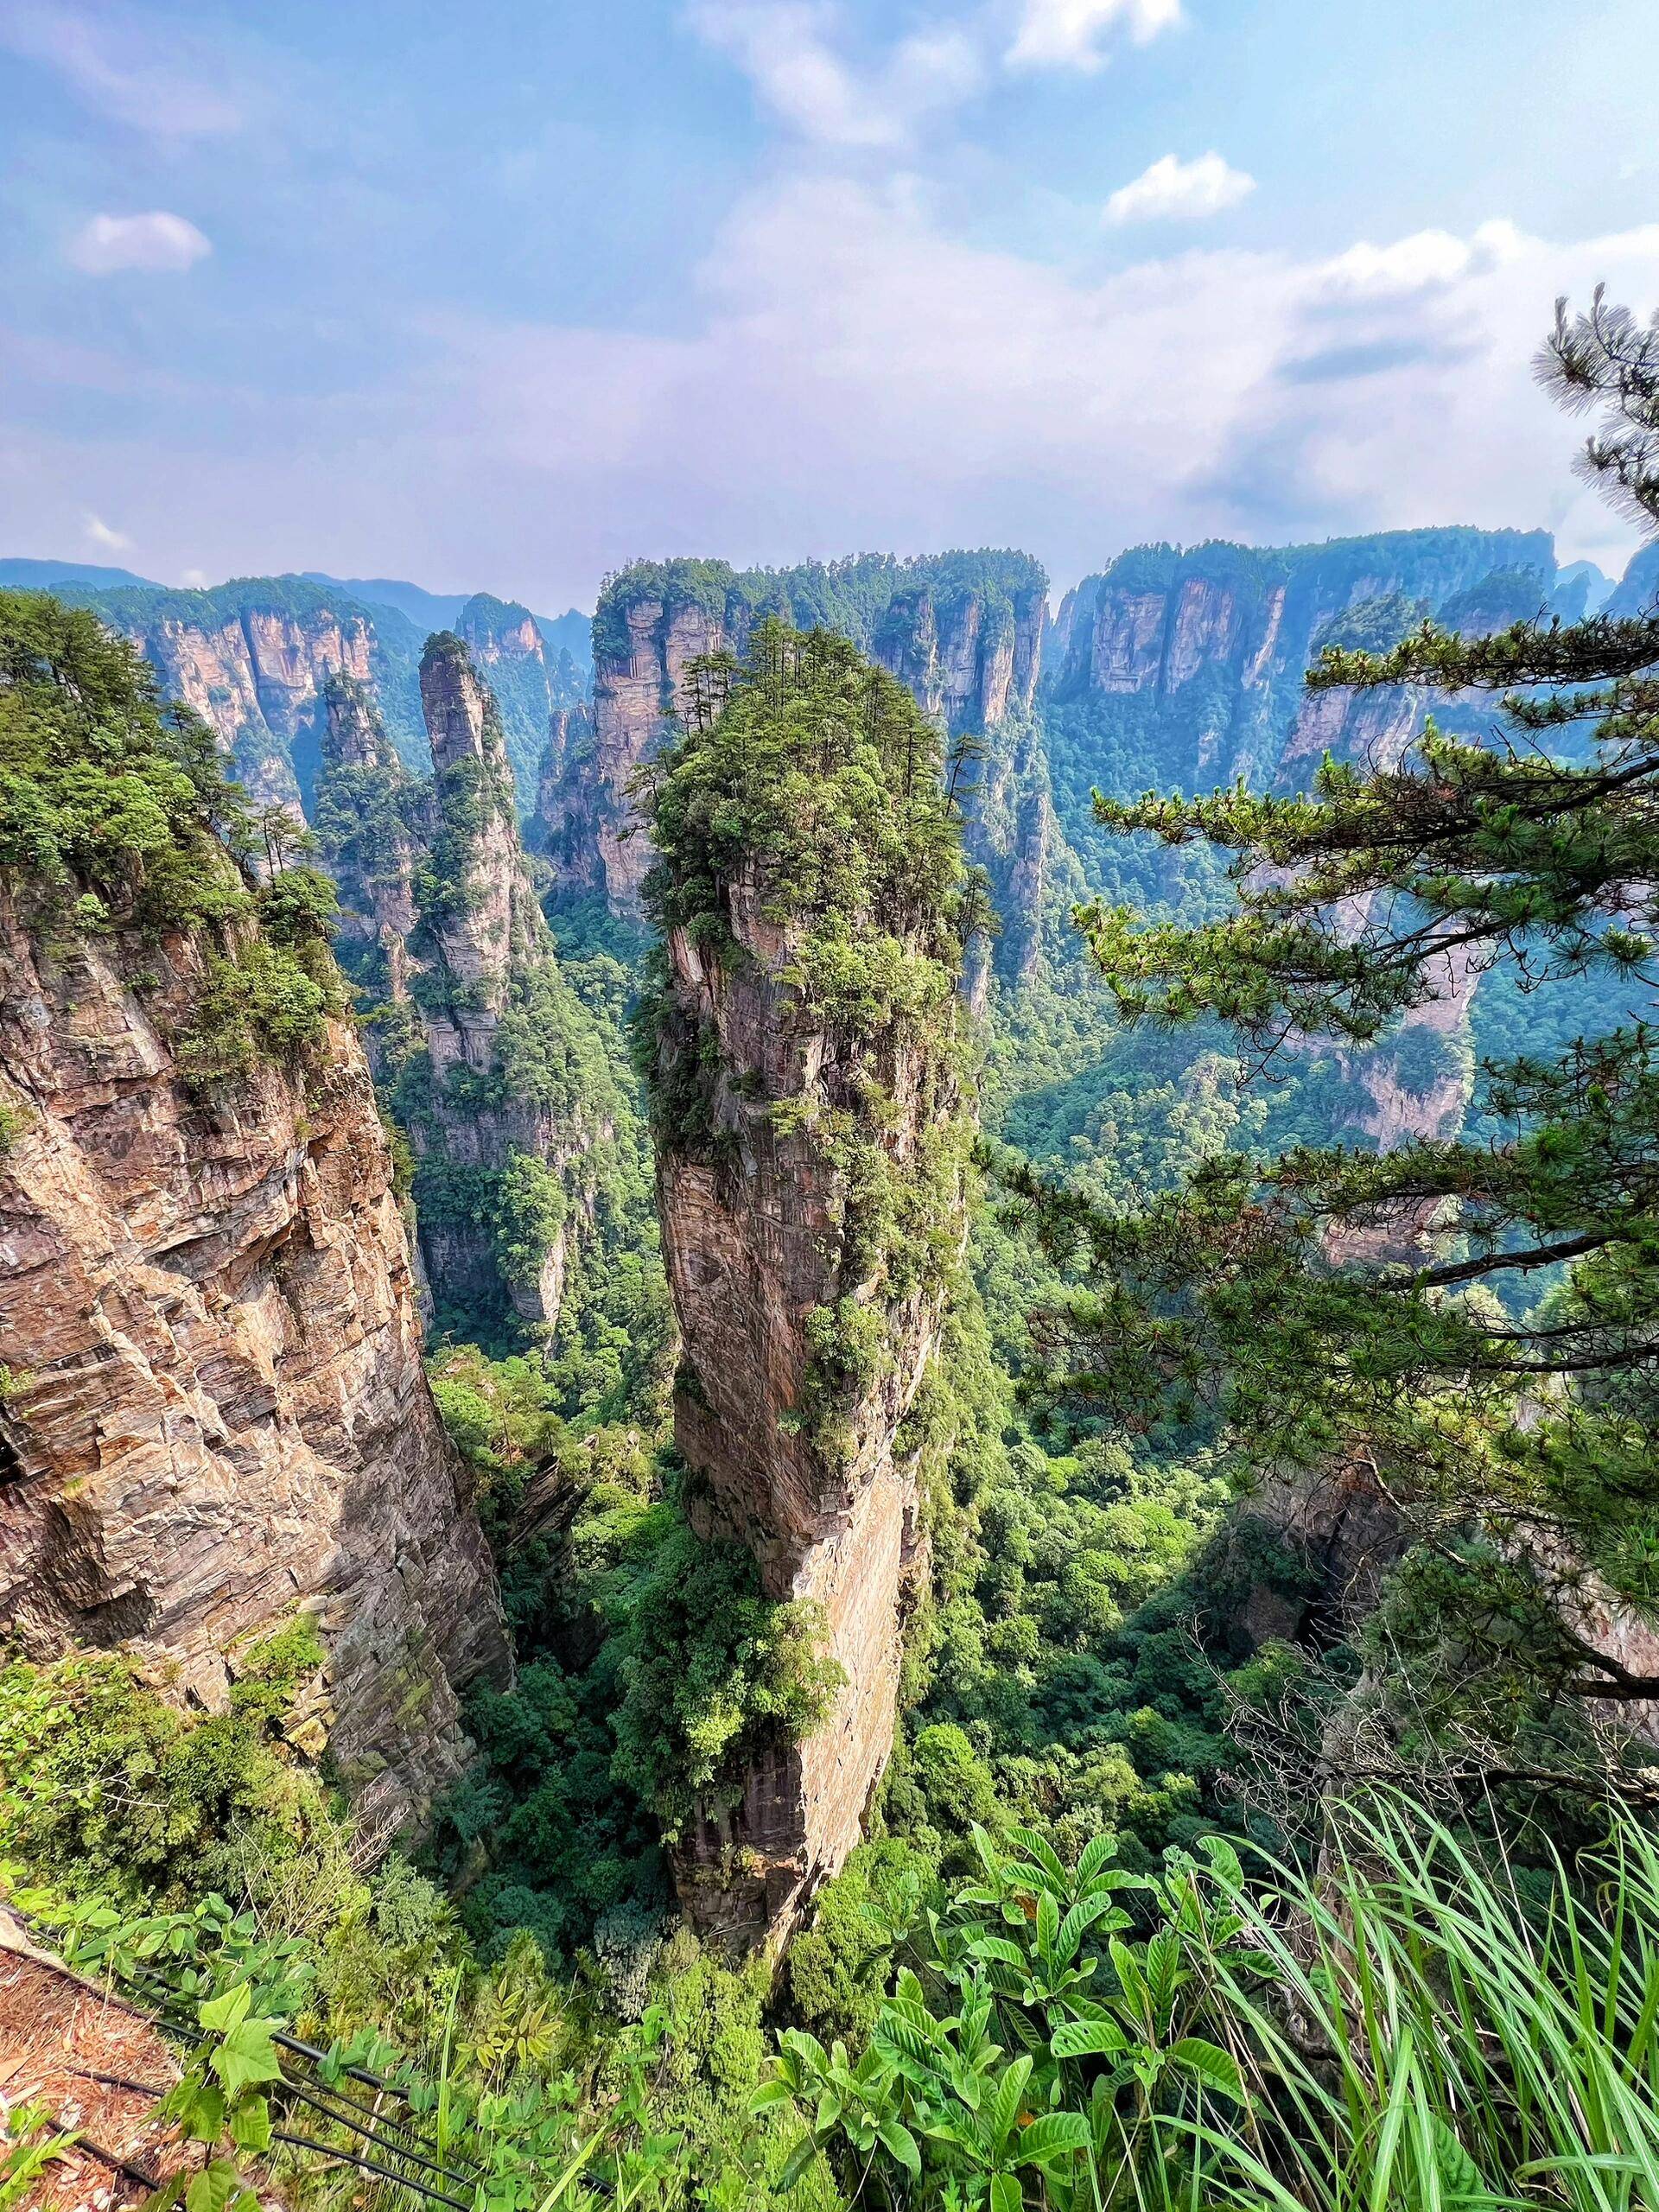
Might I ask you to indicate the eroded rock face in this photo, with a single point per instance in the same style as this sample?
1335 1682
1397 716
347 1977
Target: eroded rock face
1210 643
371 816
971 663
968 664
634 692
217 1410
254 661
754 1247
483 1043
564 826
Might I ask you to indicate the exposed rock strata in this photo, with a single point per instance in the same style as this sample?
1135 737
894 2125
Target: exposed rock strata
507 648
753 1240
1209 646
254 659
216 1409
970 652
490 1058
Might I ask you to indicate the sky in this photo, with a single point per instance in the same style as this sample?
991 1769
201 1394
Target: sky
502 295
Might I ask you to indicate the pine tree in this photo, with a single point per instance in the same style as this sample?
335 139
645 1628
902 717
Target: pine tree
1502 1385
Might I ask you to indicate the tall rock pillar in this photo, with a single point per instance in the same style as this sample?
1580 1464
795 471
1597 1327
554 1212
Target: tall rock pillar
812 1128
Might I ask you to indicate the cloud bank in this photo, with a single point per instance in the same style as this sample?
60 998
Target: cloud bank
855 377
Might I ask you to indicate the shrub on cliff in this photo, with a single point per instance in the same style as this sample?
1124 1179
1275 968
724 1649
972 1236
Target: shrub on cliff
714 1672
102 786
115 815
104 1787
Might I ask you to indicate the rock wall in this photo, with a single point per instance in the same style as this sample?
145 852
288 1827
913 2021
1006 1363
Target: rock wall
215 1408
1210 643
754 1240
508 650
254 658
968 663
964 631
372 820
481 1045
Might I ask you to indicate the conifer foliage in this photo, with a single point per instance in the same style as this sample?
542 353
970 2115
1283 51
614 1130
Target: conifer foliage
1474 1325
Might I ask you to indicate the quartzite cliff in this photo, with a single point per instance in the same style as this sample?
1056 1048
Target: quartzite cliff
495 1068
807 1331
215 1407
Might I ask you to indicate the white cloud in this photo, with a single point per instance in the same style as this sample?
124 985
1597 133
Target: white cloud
1072 33
786 48
1176 190
153 242
1424 260
196 578
108 57
859 377
111 541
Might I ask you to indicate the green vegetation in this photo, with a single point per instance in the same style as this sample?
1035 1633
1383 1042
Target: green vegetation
1413 2028
867 598
116 816
1511 1432
1199 1876
113 1790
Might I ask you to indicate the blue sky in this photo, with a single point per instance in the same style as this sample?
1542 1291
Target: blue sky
503 295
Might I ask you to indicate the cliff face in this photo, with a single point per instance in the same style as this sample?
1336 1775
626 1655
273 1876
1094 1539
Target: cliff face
371 818
254 659
564 825
506 646
1638 590
216 1408
755 1251
638 668
966 660
1204 649
494 1067
963 631
812 1144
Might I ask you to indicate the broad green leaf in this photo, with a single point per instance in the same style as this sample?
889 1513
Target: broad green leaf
1055 2135
200 2108
799 2159
1457 2170
1217 2069
1035 1847
250 2125
222 2012
1130 1979
1005 2105
1163 1958
1095 1853
1079 1919
1088 2039
1006 2193
999 1951
246 2057
902 2144
1048 1924
216 2186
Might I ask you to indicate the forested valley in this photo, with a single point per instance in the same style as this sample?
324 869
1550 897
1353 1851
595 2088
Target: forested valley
857 1408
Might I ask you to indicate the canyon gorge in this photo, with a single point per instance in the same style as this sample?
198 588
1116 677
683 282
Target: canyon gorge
212 1321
